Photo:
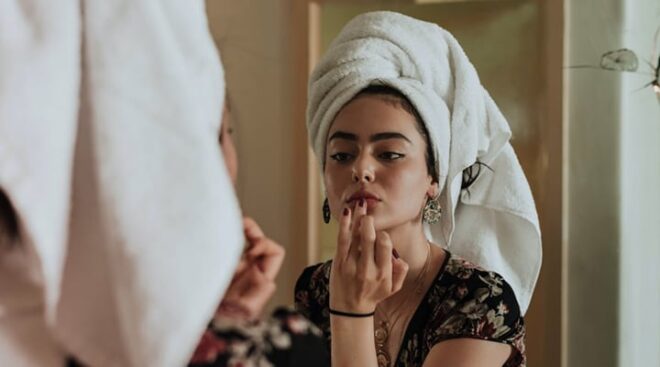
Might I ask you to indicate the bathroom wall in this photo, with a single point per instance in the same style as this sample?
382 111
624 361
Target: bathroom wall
612 176
639 273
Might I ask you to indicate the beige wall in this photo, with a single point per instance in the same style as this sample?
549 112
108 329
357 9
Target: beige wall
251 36
592 186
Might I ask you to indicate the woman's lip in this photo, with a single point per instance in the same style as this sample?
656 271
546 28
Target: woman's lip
371 203
368 200
362 195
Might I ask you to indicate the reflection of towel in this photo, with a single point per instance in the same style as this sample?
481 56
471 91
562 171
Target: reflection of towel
496 225
130 229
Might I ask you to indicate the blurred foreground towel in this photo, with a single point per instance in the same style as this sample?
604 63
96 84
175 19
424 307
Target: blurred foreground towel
129 226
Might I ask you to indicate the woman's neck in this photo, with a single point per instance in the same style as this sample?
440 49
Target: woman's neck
413 247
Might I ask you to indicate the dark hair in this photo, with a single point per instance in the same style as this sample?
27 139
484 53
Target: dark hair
226 105
8 220
394 96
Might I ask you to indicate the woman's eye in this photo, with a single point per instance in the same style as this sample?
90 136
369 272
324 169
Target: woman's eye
391 156
340 157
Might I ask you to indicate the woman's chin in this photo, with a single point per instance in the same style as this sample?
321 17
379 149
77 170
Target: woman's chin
383 222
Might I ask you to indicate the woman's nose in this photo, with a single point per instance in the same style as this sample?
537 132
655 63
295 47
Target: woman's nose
362 171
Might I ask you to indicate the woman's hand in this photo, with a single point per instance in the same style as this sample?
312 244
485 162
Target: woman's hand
254 280
364 270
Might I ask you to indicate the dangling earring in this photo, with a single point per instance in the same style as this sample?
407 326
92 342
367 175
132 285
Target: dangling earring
326 211
432 211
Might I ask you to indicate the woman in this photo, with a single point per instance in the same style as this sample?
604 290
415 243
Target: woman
238 335
119 228
403 129
127 230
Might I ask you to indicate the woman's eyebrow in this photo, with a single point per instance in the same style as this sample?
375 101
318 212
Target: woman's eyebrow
388 135
343 135
376 137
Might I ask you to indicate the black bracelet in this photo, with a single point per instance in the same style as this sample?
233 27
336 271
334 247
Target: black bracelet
350 314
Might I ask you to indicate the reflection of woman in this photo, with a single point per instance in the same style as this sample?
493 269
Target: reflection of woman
403 130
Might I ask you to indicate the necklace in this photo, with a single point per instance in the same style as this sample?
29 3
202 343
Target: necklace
382 332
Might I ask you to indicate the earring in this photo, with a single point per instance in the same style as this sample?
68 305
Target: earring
326 211
432 211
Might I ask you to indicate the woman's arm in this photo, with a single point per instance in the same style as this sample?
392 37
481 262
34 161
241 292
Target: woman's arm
353 342
465 352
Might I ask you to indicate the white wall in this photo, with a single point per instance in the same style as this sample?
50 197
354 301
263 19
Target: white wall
639 317
613 176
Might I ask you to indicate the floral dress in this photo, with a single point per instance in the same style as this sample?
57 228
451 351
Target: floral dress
464 301
285 339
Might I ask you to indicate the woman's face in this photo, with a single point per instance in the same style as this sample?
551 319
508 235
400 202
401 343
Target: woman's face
227 145
375 152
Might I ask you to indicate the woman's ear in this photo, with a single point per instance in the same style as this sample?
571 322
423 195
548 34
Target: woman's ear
433 190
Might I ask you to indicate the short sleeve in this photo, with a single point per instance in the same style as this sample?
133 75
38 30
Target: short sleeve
311 295
483 306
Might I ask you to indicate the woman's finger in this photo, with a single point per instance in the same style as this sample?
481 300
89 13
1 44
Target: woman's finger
268 256
242 265
263 252
259 291
252 230
344 235
355 249
360 212
252 291
383 254
367 243
399 272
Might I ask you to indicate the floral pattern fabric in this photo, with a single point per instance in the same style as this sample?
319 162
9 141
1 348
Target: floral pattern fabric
285 339
464 301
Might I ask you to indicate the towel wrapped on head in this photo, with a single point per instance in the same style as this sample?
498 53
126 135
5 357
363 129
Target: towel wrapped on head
495 224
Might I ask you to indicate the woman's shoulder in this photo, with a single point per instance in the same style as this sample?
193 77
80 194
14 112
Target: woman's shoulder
314 276
312 286
311 293
468 301
477 281
476 302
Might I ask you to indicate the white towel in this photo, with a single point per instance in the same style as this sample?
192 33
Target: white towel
496 225
109 118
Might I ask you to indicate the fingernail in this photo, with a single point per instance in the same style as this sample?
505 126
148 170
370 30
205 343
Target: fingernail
361 203
395 253
345 212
